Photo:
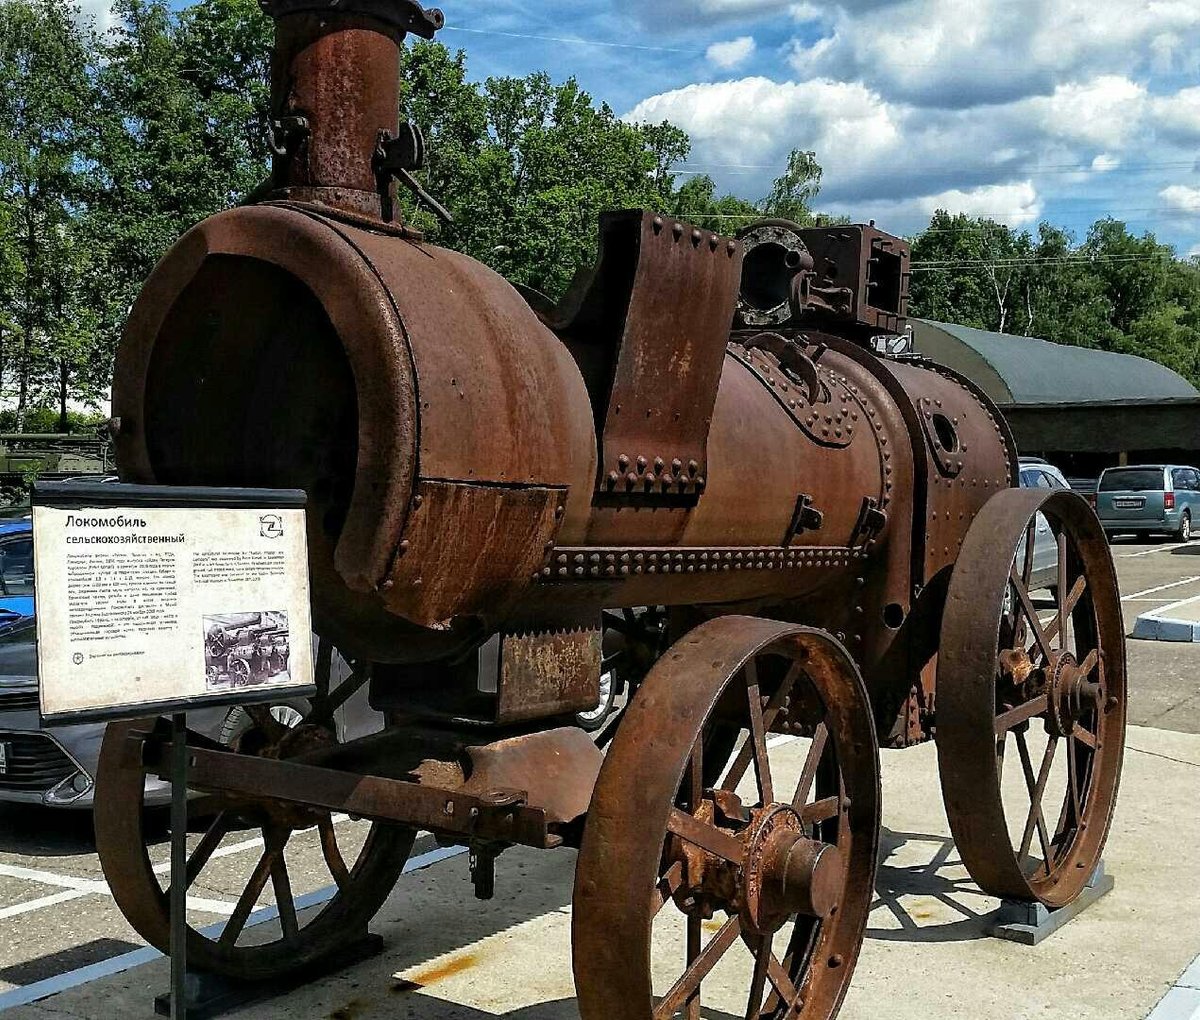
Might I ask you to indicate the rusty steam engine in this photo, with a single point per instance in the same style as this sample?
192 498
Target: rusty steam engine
704 464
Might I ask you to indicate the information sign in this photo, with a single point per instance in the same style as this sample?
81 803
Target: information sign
154 599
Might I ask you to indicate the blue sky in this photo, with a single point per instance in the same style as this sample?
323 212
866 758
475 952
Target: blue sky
1066 110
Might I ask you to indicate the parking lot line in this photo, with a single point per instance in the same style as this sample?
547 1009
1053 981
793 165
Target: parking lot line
1156 549
81 885
1177 605
42 901
119 964
1161 587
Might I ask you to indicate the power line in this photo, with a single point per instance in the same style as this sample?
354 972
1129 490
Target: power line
1083 260
565 39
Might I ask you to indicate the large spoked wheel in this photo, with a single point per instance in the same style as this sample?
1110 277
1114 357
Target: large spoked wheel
746 858
364 872
1044 685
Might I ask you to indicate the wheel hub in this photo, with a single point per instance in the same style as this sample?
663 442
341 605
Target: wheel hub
1071 694
784 873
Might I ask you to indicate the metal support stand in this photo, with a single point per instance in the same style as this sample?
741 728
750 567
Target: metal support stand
178 866
209 995
1030 923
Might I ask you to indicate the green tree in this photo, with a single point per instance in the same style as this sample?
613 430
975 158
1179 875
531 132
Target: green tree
794 192
45 109
181 135
526 166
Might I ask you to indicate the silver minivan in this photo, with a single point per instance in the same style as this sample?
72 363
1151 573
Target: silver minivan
1149 499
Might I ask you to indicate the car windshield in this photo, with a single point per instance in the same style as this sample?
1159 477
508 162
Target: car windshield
1132 480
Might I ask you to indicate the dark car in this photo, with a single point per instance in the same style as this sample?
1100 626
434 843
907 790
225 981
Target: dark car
56 765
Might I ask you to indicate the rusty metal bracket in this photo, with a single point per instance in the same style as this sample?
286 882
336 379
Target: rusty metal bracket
500 816
805 517
871 521
398 158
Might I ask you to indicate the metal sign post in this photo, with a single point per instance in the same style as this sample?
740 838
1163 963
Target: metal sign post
157 600
179 760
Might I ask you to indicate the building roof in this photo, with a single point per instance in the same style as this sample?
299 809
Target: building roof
1022 370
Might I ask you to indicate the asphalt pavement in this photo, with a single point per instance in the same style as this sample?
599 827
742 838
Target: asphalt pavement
459 958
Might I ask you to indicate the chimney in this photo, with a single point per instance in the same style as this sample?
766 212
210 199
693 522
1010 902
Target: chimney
335 98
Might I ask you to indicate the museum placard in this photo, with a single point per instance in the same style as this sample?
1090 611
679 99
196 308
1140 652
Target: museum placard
155 599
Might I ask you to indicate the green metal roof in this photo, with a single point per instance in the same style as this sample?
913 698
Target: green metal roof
1023 370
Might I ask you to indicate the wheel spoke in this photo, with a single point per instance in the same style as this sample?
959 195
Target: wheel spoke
1060 618
787 991
205 848
1035 808
1035 798
248 899
1085 737
332 852
692 1003
758 983
737 768
1065 609
1031 616
1030 543
682 990
1015 716
823 810
284 901
709 837
809 773
758 735
1073 782
667 886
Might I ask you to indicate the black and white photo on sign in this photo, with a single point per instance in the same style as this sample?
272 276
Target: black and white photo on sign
242 649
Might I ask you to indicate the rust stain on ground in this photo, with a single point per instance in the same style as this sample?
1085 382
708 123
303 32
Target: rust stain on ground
713 925
437 972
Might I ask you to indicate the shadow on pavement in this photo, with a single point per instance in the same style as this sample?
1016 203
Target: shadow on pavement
29 971
45 832
930 900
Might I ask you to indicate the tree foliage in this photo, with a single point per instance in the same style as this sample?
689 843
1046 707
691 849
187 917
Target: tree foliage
1113 291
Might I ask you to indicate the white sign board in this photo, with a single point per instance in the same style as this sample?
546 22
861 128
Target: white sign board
146 608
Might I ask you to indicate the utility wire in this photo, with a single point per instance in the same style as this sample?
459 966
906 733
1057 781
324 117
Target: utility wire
566 39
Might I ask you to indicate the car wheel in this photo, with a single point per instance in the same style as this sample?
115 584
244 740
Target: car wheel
1184 534
595 718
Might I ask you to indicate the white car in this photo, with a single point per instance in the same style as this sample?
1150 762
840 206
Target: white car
1038 474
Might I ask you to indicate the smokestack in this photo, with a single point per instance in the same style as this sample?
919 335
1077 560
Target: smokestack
335 95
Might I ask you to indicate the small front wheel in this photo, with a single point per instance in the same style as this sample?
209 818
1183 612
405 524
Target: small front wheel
1184 534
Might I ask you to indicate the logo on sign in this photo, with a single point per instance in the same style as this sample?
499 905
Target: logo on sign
77 658
271 526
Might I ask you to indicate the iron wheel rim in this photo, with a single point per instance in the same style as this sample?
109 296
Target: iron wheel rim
984 715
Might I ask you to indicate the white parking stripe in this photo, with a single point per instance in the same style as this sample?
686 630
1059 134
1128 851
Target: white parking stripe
40 902
81 885
85 887
1161 587
1156 549
1177 605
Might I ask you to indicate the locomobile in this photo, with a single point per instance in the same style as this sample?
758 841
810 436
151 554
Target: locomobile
704 455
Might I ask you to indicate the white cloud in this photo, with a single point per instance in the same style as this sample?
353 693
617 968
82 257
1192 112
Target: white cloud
668 12
1181 198
1193 252
961 52
1105 162
1014 204
1103 111
1178 116
728 55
